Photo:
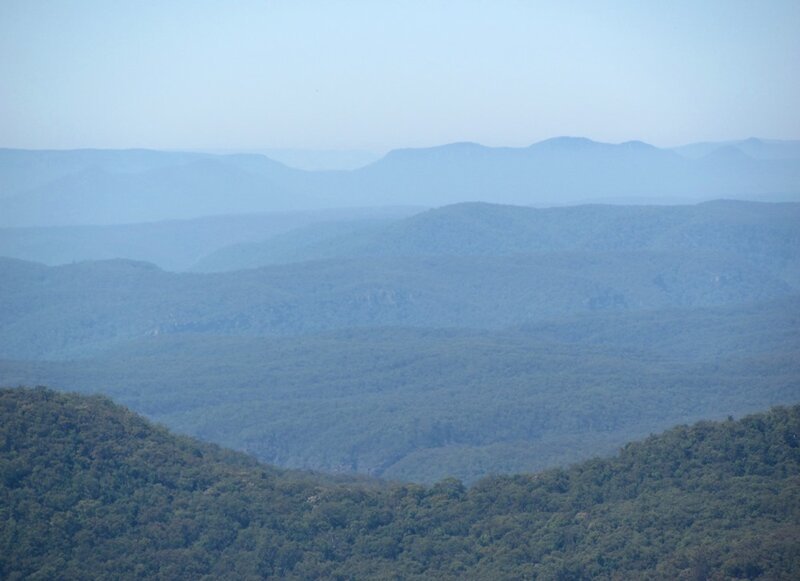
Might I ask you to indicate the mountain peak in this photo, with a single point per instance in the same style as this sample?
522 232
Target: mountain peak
751 141
439 151
567 142
637 145
727 153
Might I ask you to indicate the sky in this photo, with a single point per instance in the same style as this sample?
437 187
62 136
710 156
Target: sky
377 75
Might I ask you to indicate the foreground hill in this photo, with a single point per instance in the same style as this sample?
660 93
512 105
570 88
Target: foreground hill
418 404
46 188
90 490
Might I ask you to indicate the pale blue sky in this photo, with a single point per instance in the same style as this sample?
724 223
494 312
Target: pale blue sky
382 74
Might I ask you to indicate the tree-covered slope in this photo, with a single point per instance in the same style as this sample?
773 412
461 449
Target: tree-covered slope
74 310
89 490
312 242
171 244
423 404
755 231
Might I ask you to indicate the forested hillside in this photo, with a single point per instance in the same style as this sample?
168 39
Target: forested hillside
80 309
755 231
172 244
399 290
424 404
466 340
90 490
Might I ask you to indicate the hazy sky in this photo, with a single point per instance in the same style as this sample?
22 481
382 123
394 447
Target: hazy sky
330 74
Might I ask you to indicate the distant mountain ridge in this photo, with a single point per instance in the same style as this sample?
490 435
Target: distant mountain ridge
480 229
58 312
40 188
467 265
752 147
173 244
530 335
231 242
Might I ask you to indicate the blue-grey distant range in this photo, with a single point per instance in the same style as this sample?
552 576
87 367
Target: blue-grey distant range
81 187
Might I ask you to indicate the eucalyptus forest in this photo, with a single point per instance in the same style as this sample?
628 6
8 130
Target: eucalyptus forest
418 290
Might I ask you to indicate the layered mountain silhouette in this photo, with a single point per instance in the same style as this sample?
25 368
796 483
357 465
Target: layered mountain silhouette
479 229
179 244
467 265
752 147
75 309
420 404
40 188
464 340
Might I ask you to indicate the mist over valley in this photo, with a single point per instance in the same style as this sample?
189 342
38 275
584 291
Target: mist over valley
380 290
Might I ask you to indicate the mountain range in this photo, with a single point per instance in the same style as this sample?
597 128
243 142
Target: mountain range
96 187
175 244
232 242
463 340
478 229
77 309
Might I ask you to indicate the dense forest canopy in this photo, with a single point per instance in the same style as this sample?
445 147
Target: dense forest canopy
91 490
466 340
395 290
422 404
469 265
